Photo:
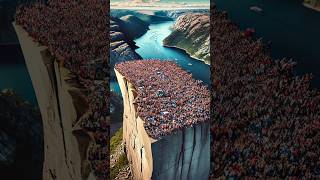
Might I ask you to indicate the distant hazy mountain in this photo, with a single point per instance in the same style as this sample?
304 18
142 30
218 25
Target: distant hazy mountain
176 13
147 18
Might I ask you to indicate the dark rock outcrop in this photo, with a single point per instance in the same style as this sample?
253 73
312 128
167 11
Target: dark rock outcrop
133 26
191 33
21 138
121 44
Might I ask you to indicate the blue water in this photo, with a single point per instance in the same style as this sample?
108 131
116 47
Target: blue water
151 47
16 77
292 28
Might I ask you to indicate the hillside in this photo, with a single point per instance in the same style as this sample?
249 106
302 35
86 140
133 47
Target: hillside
133 26
148 18
174 14
191 33
121 44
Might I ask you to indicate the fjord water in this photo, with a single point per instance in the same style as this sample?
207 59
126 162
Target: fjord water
292 28
15 76
151 47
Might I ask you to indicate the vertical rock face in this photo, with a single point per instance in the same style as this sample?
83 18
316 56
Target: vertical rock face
181 155
59 100
121 46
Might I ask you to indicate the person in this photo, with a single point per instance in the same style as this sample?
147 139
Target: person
263 118
75 34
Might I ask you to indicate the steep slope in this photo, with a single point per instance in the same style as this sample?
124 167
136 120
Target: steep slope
133 26
165 130
66 53
191 33
121 45
62 104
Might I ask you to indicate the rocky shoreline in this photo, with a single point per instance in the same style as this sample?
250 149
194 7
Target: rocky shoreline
192 56
191 33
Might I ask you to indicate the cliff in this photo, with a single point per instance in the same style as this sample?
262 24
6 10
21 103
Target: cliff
313 4
61 101
21 138
121 45
133 26
182 154
191 33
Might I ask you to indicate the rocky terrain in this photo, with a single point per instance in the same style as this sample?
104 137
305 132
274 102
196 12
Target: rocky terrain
148 156
191 33
21 138
121 45
116 111
133 26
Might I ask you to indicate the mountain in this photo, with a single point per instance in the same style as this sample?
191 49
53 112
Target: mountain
174 14
121 44
191 33
133 26
147 18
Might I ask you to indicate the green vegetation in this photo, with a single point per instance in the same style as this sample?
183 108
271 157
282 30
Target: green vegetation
122 162
116 140
190 45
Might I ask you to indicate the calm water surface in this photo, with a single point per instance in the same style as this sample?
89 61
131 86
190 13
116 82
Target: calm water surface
15 76
151 47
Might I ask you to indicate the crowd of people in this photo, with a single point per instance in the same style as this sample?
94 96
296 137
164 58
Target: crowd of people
265 121
168 98
76 34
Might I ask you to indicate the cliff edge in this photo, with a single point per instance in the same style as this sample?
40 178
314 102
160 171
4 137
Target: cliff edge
121 45
191 32
61 104
162 143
